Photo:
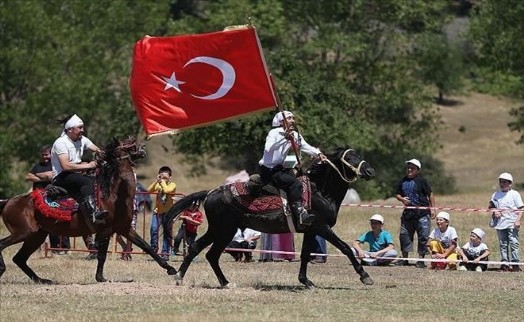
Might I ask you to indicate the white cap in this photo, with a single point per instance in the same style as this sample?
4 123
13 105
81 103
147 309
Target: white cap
506 176
277 119
443 215
415 162
479 232
377 217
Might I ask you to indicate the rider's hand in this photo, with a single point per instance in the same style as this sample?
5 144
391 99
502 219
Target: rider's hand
92 164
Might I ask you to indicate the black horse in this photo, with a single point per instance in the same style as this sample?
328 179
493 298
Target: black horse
329 184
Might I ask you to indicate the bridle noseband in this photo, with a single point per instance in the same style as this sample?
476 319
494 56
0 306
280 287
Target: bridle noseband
343 175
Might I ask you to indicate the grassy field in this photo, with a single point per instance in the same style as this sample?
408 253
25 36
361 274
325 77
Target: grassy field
271 291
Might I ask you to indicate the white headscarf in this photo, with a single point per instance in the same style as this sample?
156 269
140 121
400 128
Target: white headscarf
277 119
72 122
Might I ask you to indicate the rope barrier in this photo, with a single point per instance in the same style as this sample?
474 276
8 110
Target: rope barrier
432 208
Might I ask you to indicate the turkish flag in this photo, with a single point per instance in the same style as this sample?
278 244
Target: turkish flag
193 80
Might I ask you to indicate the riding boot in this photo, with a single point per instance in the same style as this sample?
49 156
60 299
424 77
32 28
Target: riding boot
91 209
304 218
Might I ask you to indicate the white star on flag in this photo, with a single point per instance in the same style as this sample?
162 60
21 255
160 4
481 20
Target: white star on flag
172 82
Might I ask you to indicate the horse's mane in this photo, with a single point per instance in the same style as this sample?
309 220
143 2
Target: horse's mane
109 170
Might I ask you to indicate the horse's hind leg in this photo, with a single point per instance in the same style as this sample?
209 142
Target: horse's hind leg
30 245
194 250
6 242
132 236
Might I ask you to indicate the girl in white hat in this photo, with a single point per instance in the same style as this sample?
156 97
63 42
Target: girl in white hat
474 251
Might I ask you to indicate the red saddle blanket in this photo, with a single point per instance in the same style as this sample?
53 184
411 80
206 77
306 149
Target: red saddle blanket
266 203
61 209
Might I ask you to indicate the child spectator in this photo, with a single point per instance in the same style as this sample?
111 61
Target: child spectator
191 218
163 188
443 242
380 244
246 239
507 221
474 251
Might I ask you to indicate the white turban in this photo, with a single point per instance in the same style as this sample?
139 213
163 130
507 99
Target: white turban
74 121
278 118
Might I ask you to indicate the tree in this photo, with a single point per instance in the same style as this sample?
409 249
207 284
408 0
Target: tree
496 30
345 72
441 64
63 57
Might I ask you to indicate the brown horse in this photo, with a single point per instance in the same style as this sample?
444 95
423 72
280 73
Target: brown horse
117 184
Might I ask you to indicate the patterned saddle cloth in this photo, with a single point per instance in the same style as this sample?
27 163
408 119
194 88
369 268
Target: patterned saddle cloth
54 205
268 200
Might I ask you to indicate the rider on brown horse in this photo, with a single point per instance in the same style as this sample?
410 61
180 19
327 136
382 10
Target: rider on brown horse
279 141
66 158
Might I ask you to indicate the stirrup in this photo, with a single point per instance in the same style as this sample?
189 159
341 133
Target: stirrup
306 218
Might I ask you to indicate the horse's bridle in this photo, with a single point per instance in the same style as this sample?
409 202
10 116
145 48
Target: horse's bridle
343 175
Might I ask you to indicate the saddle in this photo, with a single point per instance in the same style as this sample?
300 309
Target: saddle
254 197
55 203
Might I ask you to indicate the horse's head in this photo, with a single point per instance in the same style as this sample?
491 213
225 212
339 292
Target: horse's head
127 148
350 165
117 158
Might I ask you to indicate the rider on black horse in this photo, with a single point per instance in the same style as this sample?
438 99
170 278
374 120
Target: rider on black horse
66 159
279 141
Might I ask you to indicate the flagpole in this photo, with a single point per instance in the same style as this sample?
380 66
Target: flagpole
286 124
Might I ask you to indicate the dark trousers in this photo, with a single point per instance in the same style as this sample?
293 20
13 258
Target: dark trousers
283 180
238 255
181 235
58 241
76 184
472 266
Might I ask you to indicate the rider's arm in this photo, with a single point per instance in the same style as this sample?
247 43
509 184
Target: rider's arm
275 139
68 166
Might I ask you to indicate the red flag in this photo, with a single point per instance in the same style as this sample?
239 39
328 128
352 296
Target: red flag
188 81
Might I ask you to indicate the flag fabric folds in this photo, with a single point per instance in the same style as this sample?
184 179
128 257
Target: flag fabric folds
188 81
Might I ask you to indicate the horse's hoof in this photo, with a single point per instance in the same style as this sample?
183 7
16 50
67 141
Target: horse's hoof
101 280
366 280
45 281
171 271
229 286
178 279
308 284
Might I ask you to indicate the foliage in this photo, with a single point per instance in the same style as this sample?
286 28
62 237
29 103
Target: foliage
496 30
441 64
345 69
63 57
345 73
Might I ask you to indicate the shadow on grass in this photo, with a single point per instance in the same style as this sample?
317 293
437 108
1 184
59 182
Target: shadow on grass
295 288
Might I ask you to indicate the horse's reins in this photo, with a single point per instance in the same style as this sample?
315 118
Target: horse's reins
344 177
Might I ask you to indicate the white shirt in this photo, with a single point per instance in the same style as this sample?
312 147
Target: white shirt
248 232
64 145
507 200
445 237
474 251
277 147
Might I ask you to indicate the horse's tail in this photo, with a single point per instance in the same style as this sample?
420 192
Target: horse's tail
183 204
3 202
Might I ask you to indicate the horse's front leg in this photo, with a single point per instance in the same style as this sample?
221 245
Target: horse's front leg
305 255
132 236
102 244
331 237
